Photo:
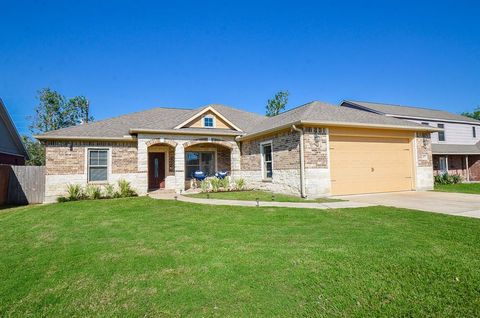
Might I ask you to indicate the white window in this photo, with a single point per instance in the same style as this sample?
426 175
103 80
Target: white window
97 165
208 121
442 164
441 134
474 132
267 167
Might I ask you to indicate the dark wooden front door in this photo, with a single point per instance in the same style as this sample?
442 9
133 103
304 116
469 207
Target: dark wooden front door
156 170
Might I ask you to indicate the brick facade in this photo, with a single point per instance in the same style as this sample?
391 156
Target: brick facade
68 158
315 147
457 165
285 147
223 159
171 161
424 150
474 167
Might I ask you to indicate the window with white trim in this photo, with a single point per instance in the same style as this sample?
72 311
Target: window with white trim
97 165
208 121
266 151
441 134
474 132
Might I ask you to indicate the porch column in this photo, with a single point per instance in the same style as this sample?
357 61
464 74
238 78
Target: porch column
235 160
179 167
446 163
468 171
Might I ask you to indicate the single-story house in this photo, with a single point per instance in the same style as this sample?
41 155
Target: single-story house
313 150
12 149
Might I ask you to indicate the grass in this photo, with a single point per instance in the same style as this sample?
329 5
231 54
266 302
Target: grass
141 257
254 194
472 188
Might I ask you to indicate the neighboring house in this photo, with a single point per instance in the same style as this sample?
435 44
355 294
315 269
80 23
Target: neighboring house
455 149
313 150
12 150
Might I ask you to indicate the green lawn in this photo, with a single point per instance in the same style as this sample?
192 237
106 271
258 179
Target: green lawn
142 257
473 188
254 194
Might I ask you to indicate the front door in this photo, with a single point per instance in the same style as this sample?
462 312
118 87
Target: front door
156 170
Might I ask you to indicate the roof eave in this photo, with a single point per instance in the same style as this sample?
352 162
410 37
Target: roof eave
342 124
85 138
434 119
209 132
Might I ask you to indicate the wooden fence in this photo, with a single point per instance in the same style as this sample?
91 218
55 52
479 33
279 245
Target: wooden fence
22 184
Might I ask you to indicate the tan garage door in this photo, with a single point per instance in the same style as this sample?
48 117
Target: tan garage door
370 164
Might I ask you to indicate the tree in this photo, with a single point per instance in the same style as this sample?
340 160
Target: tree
475 114
36 151
53 112
277 103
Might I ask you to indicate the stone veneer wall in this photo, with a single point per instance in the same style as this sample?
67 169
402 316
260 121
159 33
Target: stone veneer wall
176 181
66 164
424 150
423 162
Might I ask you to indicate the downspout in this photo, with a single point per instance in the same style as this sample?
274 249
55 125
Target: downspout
302 162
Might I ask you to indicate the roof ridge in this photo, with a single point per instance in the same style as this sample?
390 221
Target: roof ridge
237 109
295 108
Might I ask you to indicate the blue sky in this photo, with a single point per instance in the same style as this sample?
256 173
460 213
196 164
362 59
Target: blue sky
126 56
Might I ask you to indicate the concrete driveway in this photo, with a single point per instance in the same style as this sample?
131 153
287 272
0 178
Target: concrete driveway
441 202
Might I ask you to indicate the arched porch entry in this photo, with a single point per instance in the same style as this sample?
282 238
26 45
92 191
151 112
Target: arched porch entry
207 156
161 163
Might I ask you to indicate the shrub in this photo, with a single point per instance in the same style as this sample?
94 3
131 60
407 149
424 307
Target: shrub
215 183
109 191
445 178
125 190
93 192
74 192
239 184
224 183
456 178
62 199
204 185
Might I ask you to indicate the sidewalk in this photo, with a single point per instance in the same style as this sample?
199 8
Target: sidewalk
306 205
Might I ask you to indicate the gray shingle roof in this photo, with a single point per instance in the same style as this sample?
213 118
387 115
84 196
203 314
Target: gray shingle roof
166 119
446 149
409 111
324 113
118 127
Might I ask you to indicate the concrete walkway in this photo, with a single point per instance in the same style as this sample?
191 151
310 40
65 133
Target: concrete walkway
441 202
328 205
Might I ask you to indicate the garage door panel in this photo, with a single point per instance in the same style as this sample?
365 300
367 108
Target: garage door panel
369 164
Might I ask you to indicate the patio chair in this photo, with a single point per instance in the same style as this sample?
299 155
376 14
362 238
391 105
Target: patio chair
199 175
221 174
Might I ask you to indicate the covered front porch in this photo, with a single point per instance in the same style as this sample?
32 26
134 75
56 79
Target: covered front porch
466 166
170 163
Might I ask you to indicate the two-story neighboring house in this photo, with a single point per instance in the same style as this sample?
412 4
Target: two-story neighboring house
455 150
12 150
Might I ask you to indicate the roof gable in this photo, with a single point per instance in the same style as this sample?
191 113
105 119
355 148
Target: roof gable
195 120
